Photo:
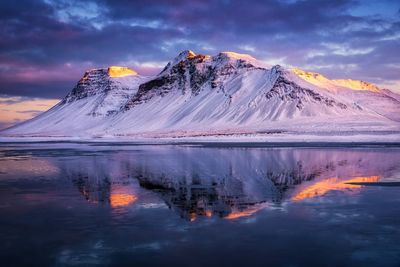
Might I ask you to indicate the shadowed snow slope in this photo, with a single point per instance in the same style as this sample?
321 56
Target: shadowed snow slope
228 93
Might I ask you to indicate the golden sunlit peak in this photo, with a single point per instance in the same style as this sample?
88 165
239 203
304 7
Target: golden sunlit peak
307 74
356 85
190 53
186 54
321 81
116 71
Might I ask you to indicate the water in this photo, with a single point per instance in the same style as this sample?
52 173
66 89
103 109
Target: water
104 205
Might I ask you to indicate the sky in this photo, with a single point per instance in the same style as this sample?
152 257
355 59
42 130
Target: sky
46 45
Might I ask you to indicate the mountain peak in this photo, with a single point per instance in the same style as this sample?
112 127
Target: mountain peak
112 72
117 71
233 56
186 54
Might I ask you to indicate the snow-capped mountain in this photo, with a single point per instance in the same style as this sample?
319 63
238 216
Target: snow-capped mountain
230 93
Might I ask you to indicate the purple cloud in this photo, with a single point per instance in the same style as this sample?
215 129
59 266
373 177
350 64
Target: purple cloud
45 46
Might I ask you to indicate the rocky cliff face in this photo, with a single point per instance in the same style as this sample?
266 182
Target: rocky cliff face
93 82
113 86
100 81
289 91
188 73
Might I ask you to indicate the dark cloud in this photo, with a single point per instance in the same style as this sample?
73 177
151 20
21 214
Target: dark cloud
4 100
45 89
45 46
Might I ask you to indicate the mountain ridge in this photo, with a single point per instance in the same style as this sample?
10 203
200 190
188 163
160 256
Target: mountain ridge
228 93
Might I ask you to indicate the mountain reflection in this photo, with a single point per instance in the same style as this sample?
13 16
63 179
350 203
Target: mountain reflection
120 197
323 187
228 183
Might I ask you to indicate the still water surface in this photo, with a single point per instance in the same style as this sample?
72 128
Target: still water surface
125 205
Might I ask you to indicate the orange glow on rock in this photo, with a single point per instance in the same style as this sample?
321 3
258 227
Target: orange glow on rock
323 187
116 71
121 200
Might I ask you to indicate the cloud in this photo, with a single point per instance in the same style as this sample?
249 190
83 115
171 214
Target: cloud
17 109
47 45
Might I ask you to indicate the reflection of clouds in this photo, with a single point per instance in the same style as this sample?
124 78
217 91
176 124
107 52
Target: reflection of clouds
83 257
27 167
150 246
323 187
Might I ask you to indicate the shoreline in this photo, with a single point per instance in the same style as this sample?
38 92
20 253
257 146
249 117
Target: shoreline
388 140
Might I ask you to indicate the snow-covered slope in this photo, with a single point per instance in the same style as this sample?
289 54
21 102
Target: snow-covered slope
228 93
